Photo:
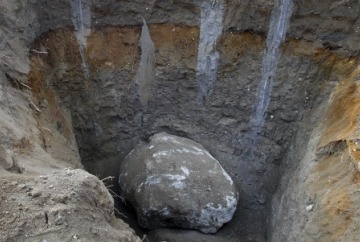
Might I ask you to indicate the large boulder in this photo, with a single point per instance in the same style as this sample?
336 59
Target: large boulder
174 182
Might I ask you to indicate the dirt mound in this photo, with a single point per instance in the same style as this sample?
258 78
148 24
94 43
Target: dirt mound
67 205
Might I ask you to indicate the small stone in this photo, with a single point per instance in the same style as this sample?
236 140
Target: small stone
60 198
35 193
69 173
59 220
95 230
22 186
51 186
310 207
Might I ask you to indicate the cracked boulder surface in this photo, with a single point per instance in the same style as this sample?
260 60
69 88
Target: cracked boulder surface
68 205
174 182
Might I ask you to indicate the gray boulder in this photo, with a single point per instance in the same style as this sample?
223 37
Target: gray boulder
174 182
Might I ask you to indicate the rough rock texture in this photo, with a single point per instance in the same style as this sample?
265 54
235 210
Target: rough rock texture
68 205
174 182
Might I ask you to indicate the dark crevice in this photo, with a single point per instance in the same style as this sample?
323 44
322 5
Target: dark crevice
46 218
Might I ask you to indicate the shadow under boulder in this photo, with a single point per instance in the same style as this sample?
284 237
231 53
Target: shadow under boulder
174 182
